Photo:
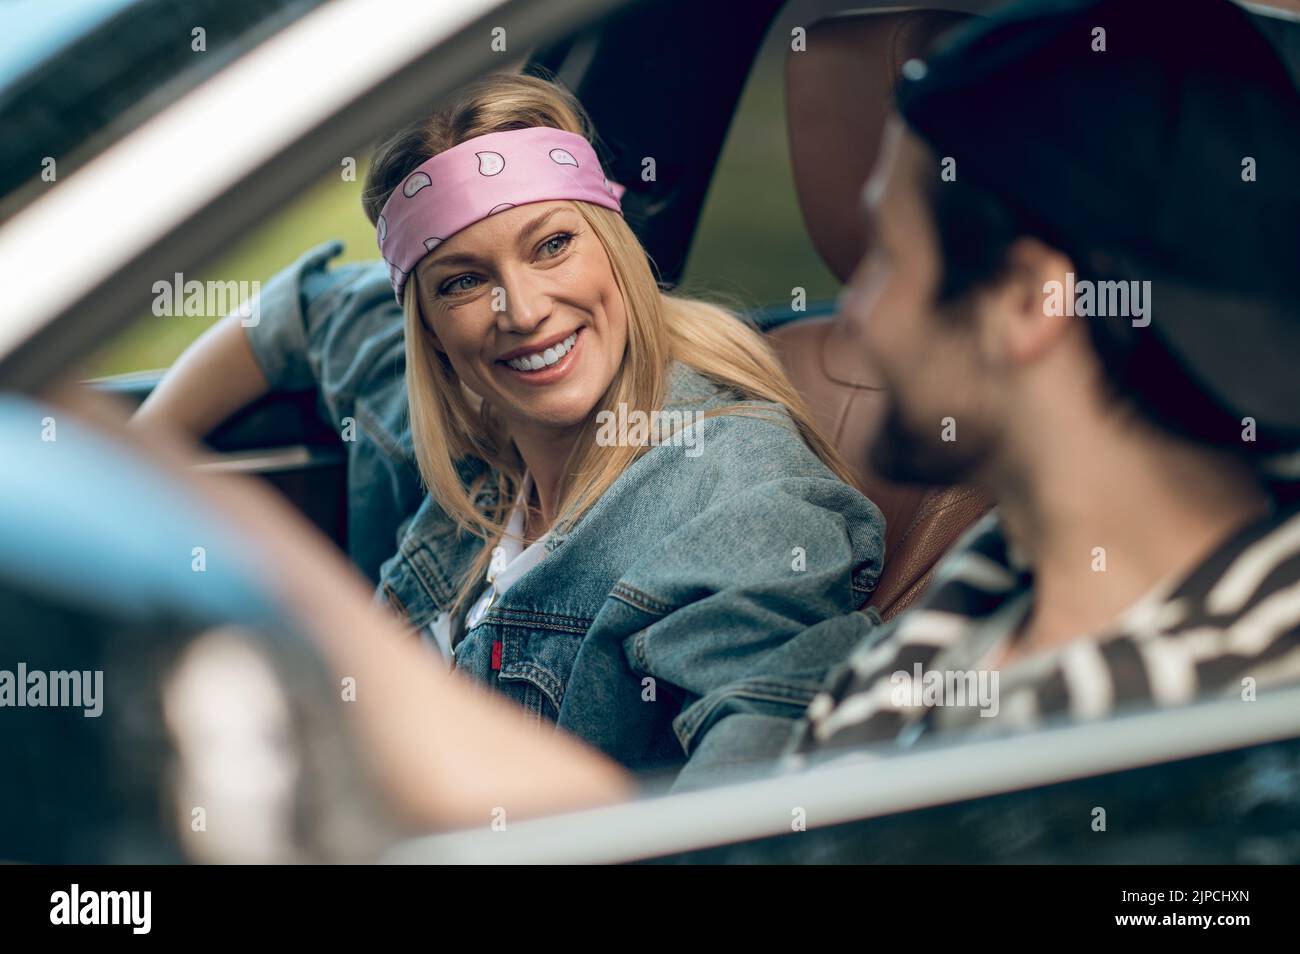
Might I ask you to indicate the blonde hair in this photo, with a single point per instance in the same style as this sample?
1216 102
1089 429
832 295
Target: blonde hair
448 424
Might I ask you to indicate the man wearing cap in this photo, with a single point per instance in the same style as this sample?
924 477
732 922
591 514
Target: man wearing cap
1141 552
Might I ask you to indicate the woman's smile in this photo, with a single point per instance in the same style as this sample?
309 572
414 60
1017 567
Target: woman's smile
543 363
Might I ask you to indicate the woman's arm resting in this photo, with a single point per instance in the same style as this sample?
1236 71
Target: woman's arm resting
216 376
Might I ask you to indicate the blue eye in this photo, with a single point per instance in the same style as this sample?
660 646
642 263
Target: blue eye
457 285
556 244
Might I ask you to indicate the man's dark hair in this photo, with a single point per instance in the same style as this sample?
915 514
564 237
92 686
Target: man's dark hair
976 229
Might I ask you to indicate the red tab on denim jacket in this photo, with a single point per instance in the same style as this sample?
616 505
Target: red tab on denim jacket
496 655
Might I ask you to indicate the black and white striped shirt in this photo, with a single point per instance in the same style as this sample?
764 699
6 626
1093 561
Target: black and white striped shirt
1229 627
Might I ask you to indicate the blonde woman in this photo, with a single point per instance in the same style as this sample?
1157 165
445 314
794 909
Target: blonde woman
624 517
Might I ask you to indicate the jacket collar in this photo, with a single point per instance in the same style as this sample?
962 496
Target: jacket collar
434 553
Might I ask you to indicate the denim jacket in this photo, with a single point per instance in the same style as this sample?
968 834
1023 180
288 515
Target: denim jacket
680 597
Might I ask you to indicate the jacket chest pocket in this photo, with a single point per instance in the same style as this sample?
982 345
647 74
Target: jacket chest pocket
533 668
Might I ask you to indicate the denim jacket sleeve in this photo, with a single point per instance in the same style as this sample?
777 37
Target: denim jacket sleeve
338 331
330 329
712 618
748 737
772 669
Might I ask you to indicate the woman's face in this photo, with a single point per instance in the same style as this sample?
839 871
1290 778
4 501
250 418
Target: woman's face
526 308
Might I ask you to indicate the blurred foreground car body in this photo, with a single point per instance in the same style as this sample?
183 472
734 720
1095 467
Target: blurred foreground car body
1205 784
157 704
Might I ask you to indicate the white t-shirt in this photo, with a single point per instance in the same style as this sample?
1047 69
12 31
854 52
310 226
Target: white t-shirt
510 561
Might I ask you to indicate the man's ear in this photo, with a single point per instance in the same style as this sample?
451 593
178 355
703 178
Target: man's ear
1033 318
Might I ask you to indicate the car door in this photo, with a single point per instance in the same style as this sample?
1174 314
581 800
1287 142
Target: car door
1215 782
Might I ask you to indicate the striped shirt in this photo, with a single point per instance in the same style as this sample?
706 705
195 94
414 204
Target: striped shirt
1229 627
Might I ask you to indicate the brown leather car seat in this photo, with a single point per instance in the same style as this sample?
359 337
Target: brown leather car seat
839 92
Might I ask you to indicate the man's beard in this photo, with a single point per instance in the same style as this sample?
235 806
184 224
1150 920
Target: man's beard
906 454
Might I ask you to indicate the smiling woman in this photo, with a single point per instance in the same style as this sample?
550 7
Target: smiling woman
546 312
633 588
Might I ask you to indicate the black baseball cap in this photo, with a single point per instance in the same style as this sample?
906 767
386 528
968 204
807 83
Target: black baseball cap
1165 140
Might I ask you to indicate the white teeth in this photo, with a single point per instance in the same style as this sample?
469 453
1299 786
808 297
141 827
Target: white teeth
542 359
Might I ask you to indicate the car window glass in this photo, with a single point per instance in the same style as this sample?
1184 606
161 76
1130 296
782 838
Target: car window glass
751 248
331 209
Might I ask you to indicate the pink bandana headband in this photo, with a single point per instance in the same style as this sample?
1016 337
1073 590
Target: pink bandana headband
481 176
